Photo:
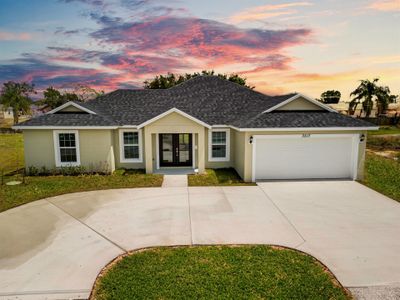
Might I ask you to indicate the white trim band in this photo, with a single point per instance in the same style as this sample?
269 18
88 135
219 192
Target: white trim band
70 103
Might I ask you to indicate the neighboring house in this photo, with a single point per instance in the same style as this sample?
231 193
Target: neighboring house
6 113
206 122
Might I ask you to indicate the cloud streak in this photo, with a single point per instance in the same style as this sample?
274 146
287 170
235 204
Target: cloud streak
12 36
263 12
385 5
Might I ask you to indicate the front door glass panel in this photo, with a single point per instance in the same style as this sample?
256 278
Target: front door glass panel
184 148
167 148
176 149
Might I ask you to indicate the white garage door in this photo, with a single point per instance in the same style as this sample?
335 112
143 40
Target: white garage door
305 156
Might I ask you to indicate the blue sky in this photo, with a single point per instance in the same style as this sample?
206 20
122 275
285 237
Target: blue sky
280 46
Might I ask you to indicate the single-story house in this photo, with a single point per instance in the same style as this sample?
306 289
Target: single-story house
205 122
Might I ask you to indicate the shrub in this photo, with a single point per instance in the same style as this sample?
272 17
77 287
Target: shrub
119 172
33 171
44 171
72 170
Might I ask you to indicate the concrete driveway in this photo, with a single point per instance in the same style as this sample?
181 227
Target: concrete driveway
54 248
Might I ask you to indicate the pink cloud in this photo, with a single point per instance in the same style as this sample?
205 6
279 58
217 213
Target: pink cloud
212 42
13 36
155 46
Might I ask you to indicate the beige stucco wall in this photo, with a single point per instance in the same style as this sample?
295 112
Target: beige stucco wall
70 108
300 104
39 148
239 149
95 147
248 151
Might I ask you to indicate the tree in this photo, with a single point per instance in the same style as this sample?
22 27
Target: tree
54 98
383 99
16 95
84 92
171 79
367 93
330 97
364 94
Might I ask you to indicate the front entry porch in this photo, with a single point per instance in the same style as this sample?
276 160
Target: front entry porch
174 141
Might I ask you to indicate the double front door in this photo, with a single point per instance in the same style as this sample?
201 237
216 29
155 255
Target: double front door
175 149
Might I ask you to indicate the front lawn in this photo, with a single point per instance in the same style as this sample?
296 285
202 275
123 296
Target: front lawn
38 187
383 175
11 152
217 272
212 177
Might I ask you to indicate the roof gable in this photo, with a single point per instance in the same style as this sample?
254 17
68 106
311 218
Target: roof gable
298 97
71 107
171 111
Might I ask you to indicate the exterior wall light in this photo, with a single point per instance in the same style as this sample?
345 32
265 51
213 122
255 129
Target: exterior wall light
362 137
251 140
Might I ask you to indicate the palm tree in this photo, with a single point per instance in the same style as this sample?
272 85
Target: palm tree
16 96
383 99
364 94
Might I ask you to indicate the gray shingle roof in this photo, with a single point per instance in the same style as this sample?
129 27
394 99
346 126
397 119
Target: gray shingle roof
208 98
286 119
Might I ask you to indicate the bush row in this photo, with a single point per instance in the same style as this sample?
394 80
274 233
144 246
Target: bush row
66 171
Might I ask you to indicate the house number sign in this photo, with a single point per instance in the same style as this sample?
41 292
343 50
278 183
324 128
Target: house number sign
306 135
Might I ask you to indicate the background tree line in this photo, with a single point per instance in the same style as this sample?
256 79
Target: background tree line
18 96
367 93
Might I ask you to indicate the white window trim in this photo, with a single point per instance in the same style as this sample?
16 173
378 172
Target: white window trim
57 148
122 158
228 145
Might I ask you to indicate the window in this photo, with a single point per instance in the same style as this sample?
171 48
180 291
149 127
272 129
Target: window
130 146
66 146
218 149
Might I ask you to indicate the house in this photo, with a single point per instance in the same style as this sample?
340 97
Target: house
205 122
6 113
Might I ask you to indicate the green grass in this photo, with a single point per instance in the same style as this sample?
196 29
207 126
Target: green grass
38 187
383 175
384 142
212 177
217 272
11 152
385 130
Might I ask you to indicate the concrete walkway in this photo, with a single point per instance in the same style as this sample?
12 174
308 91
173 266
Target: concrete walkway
55 248
175 181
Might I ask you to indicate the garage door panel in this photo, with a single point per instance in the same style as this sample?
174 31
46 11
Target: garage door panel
298 157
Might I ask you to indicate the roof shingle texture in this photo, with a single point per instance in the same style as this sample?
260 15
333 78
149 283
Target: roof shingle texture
208 98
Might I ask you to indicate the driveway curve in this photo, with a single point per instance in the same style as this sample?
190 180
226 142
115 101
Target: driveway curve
54 248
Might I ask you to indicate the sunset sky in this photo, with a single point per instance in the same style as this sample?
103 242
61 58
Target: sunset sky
280 46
